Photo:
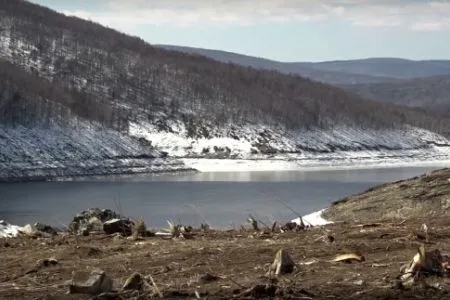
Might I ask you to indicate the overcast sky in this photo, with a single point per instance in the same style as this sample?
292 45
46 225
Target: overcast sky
285 30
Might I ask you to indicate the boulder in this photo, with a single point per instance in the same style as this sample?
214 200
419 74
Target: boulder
91 220
94 283
45 228
122 226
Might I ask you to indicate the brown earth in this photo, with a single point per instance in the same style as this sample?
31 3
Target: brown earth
240 259
423 196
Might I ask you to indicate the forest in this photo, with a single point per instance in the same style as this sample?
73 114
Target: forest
54 66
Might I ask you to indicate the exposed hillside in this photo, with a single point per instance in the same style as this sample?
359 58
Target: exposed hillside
386 67
431 93
305 70
186 104
47 132
420 197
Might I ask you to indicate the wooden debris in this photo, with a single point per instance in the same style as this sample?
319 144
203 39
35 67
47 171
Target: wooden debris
42 263
208 277
282 264
253 222
134 282
349 258
292 226
424 263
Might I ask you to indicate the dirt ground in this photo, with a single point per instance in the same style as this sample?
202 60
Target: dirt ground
239 258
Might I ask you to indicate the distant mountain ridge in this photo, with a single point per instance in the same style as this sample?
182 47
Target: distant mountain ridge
302 69
431 93
358 71
386 67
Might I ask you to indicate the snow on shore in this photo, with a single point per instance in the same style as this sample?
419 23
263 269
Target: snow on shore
299 164
7 230
313 219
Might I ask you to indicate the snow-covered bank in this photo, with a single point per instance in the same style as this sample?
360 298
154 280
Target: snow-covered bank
260 141
313 219
301 164
7 230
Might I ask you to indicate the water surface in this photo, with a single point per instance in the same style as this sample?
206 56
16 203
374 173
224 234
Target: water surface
223 199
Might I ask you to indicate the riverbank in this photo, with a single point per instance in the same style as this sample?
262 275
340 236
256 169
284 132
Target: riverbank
117 168
230 264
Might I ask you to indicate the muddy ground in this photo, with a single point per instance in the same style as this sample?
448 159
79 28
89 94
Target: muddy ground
239 258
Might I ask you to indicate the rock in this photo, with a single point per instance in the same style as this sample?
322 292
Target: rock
122 226
282 264
134 282
45 228
91 220
95 224
94 283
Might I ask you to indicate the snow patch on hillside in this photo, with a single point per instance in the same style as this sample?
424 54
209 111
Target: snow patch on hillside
313 146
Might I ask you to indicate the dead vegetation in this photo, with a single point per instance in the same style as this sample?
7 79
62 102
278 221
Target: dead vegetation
362 262
423 196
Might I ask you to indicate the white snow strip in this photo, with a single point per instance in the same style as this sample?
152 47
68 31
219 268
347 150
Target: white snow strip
290 164
7 230
313 219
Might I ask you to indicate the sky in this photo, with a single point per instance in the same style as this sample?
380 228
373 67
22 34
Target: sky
283 30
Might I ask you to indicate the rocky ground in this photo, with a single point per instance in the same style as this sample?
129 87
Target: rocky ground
230 264
235 264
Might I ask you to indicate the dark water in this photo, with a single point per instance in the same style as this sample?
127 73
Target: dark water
223 199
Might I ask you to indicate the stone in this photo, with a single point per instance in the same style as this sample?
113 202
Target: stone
46 228
91 219
122 226
282 263
95 224
134 282
93 283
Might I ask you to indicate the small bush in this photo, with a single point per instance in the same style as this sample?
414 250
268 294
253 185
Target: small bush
139 229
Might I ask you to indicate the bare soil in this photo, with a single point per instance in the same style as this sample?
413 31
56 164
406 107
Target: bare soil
239 258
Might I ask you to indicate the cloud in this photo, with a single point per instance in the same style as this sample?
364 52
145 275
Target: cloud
410 14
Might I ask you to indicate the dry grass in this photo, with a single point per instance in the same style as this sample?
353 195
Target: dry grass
240 260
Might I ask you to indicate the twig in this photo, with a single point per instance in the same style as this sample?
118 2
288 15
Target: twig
239 285
291 209
155 286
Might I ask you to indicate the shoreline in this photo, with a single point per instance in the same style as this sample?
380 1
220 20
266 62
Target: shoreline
280 164
272 164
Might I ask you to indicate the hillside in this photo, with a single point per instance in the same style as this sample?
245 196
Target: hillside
386 67
108 90
430 93
305 70
425 196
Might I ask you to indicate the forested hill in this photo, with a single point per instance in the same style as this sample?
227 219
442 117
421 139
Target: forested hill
125 85
113 67
430 93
